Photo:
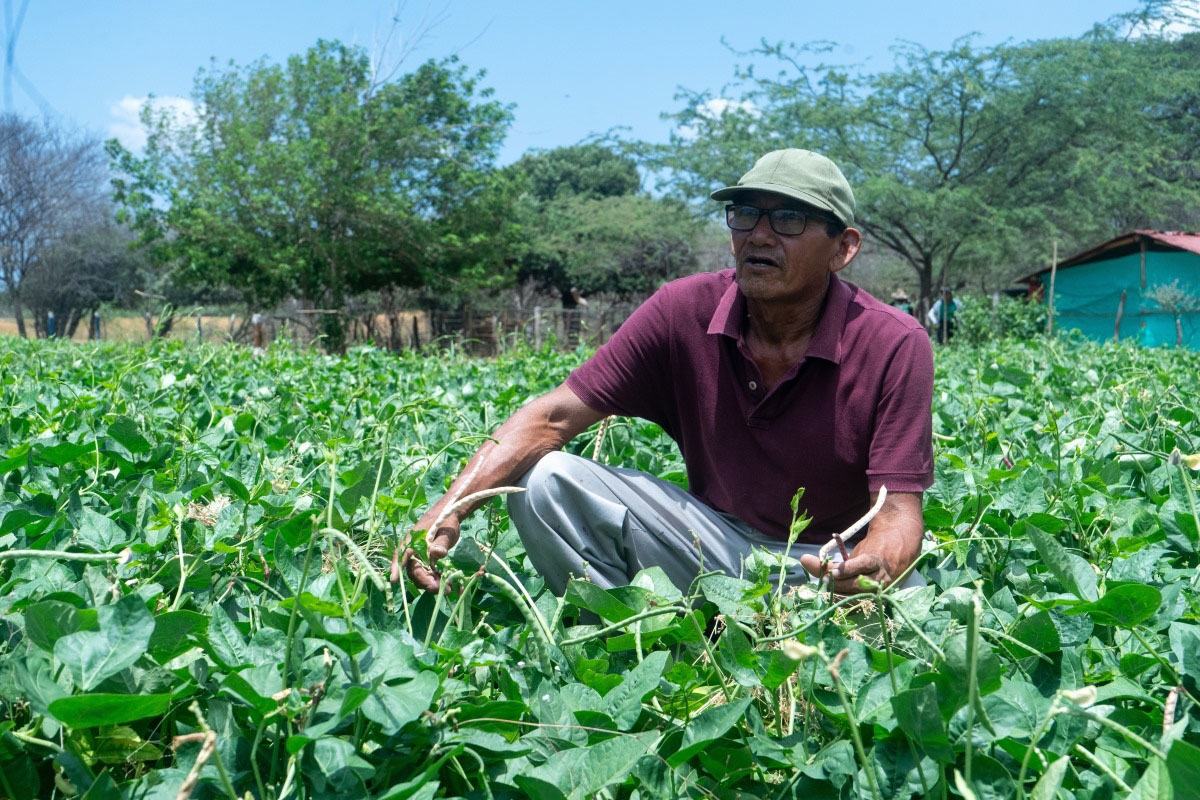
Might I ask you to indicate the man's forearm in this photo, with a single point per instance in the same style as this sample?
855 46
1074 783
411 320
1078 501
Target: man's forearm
538 428
895 533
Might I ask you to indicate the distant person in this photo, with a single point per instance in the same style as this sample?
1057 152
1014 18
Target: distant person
257 332
771 376
901 302
942 315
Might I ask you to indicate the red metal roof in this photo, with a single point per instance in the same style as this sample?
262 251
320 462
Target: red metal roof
1184 240
1128 243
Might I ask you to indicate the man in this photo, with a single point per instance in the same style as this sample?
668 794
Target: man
941 315
771 377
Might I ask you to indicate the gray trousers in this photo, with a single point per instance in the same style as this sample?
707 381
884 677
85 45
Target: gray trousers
580 518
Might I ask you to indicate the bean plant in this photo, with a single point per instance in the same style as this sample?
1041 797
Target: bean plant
201 597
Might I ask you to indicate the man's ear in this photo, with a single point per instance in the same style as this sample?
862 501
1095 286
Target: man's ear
849 244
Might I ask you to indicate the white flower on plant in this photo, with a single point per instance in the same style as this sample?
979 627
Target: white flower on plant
797 650
1082 697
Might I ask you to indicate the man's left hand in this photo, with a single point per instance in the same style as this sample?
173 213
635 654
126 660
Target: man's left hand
892 543
846 573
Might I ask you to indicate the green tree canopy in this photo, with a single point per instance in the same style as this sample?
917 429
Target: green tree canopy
971 160
585 170
310 179
587 228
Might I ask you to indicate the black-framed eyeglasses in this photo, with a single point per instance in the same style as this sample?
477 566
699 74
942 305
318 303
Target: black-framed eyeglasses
784 221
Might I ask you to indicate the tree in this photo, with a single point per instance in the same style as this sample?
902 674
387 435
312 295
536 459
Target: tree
969 161
1177 301
90 266
311 180
585 170
50 185
587 228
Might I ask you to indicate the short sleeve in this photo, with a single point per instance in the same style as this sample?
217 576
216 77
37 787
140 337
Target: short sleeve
901 451
630 374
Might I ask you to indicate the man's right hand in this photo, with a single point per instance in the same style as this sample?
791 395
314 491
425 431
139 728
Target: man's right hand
438 543
540 426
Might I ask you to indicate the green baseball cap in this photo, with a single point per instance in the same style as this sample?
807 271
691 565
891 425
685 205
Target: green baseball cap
801 175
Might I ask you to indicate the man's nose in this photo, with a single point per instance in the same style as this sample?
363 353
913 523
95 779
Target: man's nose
762 230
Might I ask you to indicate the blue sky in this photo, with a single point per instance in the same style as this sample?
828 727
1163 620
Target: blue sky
572 68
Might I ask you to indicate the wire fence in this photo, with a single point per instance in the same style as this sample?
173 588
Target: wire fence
476 332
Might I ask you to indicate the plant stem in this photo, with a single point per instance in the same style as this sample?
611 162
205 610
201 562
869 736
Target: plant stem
291 631
616 626
360 556
915 628
855 735
59 555
1038 733
1100 765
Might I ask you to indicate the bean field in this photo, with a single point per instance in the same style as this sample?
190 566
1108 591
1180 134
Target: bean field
199 596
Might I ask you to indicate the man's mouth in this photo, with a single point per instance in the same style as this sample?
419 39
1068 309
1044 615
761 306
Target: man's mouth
760 261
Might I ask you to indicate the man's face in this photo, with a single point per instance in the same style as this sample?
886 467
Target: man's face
773 267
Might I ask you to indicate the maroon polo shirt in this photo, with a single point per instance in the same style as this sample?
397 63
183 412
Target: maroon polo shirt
852 416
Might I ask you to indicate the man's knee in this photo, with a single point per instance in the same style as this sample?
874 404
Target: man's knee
545 480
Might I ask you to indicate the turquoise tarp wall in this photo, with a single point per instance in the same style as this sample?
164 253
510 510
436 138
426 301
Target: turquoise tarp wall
1086 297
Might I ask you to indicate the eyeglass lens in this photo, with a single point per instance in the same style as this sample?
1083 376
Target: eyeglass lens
784 221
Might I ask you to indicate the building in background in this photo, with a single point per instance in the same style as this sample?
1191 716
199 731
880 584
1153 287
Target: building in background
1143 285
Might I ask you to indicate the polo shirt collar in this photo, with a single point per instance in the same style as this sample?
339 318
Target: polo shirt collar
826 339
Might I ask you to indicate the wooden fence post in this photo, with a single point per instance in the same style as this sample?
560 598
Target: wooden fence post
1053 275
537 327
1142 248
1120 314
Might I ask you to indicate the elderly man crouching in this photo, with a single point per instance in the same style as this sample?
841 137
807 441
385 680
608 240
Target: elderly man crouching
771 376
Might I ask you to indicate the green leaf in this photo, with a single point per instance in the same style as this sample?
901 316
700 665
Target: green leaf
1048 785
92 656
1155 783
736 656
728 595
96 709
225 641
987 669
332 755
99 532
63 453
919 716
429 769
1185 647
624 702
990 780
1122 606
588 595
1037 631
125 431
326 608
174 633
50 620
1075 574
583 772
1183 765
1015 709
16 518
393 707
708 727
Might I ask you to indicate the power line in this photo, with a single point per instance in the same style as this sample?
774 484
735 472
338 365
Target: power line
12 29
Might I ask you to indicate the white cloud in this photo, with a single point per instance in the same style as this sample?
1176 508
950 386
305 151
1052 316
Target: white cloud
718 106
715 108
126 125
